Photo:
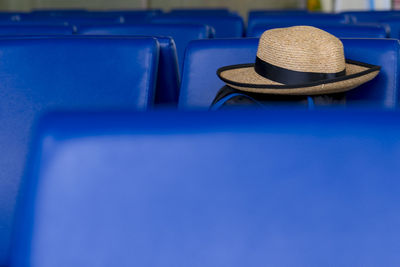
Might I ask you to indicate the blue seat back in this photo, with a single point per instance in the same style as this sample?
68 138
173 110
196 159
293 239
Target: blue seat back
135 16
322 19
224 189
283 12
182 34
258 12
73 20
370 16
200 83
197 12
225 26
339 30
168 75
44 74
393 23
10 16
59 12
388 18
17 29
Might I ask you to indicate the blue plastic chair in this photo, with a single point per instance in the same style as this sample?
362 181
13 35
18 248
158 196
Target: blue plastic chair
370 16
200 83
135 16
182 34
73 20
226 26
129 14
167 92
199 11
17 29
42 74
283 188
393 23
340 30
10 17
59 12
257 12
284 12
389 18
318 18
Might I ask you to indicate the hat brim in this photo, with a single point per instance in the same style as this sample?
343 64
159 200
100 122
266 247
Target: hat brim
243 77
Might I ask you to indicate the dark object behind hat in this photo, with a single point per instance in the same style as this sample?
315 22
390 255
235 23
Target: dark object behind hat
229 97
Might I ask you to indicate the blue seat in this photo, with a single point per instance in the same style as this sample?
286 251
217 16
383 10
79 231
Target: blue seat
370 16
278 11
389 18
182 34
135 16
226 26
42 74
58 12
283 188
285 12
128 15
198 11
73 20
306 19
10 16
339 30
17 29
168 78
200 82
393 23
169 75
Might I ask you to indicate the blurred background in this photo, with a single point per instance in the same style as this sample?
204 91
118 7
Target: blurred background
242 6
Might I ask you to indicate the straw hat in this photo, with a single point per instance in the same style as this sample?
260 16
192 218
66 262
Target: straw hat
300 60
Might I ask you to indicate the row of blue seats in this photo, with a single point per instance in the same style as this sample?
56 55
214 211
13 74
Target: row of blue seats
387 26
225 23
172 51
40 74
204 57
262 20
272 188
255 17
121 73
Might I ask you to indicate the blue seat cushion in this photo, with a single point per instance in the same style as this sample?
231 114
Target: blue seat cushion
339 30
200 82
283 188
43 74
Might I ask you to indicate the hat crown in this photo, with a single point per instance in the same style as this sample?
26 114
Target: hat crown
303 49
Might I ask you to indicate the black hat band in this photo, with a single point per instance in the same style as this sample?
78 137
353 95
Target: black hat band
291 77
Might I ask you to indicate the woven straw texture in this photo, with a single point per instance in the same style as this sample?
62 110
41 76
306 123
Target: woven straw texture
302 48
299 48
